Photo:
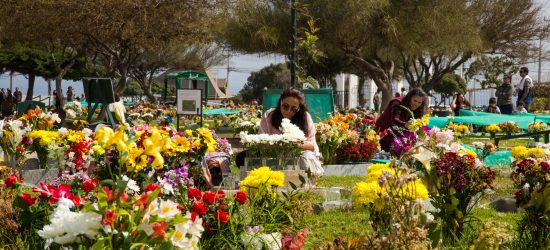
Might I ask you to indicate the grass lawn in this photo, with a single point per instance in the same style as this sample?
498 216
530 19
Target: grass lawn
502 144
339 181
325 227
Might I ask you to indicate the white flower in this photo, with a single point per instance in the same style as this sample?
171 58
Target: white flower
526 187
87 132
168 209
188 228
478 144
132 186
62 131
67 227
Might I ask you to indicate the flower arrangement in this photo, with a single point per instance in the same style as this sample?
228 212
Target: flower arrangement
361 151
536 127
37 119
262 176
521 152
486 148
403 143
530 177
416 124
452 197
509 127
459 129
282 145
373 190
73 110
492 128
11 141
42 142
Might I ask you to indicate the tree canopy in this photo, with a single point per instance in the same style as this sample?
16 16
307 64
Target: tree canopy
275 76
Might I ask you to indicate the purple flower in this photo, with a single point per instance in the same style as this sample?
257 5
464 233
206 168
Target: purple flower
403 143
178 177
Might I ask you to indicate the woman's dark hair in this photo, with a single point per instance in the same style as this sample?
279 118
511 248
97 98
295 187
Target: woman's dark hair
492 100
420 111
300 118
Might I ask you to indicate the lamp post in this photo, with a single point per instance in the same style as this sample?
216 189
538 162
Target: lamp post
293 43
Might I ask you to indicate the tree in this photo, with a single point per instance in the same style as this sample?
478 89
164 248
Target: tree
423 40
114 33
491 69
450 84
464 29
173 56
272 76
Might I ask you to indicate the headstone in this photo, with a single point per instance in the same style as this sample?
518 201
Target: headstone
505 204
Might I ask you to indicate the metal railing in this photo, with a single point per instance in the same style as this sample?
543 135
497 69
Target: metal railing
39 97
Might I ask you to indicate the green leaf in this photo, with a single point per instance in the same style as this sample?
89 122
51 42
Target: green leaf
292 185
99 245
434 233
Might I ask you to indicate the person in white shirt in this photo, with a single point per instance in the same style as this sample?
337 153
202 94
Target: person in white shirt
525 88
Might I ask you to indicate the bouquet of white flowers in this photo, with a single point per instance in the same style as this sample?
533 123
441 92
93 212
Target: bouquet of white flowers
282 145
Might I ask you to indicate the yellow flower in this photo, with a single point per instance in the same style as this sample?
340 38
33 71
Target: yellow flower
182 144
493 128
519 152
44 137
416 124
99 150
262 176
471 153
365 193
535 152
153 146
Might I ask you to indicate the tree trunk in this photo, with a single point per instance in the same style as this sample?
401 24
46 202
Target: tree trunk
149 94
121 85
30 90
361 92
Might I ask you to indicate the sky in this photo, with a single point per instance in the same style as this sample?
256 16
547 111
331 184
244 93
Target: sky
240 67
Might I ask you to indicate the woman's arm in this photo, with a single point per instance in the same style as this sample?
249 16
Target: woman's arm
396 114
310 143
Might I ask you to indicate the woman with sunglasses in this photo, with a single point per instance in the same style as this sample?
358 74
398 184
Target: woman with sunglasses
505 94
398 113
292 105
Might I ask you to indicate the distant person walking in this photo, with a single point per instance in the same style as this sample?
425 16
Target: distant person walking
505 93
525 88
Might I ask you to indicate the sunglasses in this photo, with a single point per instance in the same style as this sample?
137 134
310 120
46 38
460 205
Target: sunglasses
287 107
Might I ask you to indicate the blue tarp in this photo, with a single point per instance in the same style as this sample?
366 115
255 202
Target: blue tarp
485 119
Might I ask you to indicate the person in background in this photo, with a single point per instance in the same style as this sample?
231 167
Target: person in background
398 114
18 96
504 95
376 102
520 109
254 102
459 102
7 105
70 94
525 91
493 108
403 92
57 98
397 94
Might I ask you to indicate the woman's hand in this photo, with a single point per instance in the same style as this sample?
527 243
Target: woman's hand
308 146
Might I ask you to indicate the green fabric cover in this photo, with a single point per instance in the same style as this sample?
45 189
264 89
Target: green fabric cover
485 119
220 111
319 101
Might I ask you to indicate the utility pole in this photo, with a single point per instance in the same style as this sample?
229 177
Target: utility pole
541 36
293 43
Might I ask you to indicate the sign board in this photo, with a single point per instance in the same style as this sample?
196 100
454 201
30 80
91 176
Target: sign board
98 90
189 101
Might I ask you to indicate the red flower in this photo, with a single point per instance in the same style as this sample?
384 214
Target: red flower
151 187
194 216
545 166
27 199
221 216
143 200
12 180
220 194
89 185
76 201
158 229
199 207
109 218
194 193
241 197
62 191
209 197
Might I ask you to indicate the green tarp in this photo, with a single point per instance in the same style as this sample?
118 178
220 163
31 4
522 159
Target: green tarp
485 119
319 101
220 111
